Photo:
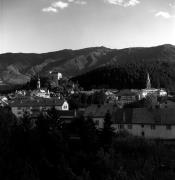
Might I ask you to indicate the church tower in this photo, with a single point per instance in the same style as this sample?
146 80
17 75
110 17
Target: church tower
38 83
148 82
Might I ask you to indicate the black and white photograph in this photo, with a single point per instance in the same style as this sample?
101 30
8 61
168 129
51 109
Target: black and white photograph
87 89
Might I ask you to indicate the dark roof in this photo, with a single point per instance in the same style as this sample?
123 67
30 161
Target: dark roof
144 116
99 110
126 92
122 116
31 102
154 116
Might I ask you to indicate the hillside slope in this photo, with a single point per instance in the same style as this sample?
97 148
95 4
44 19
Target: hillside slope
17 68
129 67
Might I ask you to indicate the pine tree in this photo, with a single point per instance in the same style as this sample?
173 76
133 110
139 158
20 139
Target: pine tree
89 135
107 131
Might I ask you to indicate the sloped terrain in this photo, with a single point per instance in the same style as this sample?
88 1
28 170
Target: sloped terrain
128 69
18 68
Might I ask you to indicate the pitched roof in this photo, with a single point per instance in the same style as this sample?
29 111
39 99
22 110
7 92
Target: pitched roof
154 116
143 116
122 116
35 102
168 116
126 92
164 116
99 110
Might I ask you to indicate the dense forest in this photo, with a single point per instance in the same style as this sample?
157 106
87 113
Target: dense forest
130 75
50 149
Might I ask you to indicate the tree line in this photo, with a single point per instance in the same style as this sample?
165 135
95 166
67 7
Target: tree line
50 149
131 75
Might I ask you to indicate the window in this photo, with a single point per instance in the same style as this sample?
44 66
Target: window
65 107
168 127
121 126
129 126
153 127
142 125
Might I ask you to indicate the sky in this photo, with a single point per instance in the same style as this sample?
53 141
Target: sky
37 26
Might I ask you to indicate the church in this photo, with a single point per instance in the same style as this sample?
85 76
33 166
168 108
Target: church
149 90
40 92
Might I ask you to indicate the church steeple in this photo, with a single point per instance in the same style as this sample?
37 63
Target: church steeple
38 83
148 82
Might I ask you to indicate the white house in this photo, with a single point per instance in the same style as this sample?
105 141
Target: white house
148 123
3 101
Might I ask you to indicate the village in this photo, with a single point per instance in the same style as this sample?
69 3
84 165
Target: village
145 113
87 89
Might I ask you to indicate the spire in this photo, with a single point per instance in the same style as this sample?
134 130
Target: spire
148 82
38 83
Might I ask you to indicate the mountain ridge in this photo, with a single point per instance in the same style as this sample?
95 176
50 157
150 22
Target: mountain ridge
18 68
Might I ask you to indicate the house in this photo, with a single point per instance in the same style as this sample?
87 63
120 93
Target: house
111 97
127 96
3 101
41 93
98 112
34 106
149 123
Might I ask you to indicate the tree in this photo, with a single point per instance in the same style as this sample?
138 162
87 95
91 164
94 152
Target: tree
107 131
89 135
99 97
53 116
75 101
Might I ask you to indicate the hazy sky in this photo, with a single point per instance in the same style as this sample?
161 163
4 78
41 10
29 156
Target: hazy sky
50 25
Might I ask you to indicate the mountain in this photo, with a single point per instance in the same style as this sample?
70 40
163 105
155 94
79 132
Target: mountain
128 68
18 68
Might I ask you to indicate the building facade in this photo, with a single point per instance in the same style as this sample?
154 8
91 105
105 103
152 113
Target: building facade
148 123
35 106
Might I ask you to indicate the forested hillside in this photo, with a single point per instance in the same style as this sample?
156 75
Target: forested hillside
120 68
130 75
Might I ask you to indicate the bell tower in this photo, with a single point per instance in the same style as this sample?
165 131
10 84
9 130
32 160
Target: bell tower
148 82
38 83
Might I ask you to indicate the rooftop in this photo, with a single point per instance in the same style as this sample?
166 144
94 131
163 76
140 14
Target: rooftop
99 110
144 116
31 102
126 92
